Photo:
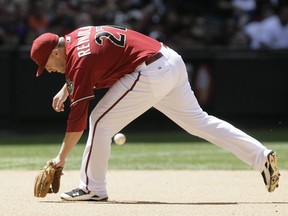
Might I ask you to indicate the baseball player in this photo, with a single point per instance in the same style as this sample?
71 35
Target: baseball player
141 73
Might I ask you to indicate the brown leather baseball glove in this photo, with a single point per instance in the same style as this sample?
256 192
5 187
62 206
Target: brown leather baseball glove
48 180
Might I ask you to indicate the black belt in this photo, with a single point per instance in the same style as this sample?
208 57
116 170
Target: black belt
153 58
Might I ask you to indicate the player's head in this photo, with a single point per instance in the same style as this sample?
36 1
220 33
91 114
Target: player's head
42 48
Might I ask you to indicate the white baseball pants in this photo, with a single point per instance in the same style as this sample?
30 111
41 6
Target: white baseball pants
164 85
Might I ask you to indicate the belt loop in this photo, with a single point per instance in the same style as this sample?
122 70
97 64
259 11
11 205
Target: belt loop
166 52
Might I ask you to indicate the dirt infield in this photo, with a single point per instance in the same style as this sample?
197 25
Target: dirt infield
150 193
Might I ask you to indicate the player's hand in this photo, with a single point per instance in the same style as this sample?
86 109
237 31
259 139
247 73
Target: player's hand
59 99
59 107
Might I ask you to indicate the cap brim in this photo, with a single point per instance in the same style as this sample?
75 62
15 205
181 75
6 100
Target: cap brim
40 70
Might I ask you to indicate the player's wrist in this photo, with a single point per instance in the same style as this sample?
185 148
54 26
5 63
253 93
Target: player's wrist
59 160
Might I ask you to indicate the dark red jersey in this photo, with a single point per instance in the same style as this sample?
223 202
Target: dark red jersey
98 56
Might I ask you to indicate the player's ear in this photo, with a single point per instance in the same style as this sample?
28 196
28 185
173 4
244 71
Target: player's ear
58 52
55 52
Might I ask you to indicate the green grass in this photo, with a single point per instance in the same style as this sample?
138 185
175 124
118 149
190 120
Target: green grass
142 151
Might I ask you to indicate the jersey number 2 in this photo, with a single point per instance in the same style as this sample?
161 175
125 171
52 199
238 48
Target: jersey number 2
117 38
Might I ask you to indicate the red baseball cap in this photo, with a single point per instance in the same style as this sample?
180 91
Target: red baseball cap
41 50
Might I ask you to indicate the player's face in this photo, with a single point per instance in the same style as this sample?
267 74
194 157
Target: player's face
56 62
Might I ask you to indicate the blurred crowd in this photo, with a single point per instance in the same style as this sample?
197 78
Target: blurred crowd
251 24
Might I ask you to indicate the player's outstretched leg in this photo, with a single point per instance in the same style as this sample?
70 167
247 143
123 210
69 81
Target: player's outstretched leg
271 173
194 120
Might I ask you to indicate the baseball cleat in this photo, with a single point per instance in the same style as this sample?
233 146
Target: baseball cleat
80 195
271 173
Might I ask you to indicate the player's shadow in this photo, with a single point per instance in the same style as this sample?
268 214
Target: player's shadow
167 203
187 203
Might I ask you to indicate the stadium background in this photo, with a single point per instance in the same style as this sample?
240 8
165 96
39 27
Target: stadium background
245 86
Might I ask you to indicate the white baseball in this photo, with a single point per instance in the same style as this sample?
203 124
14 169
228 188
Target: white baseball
119 139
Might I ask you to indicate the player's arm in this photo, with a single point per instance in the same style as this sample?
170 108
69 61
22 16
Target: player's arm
60 98
76 124
70 140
